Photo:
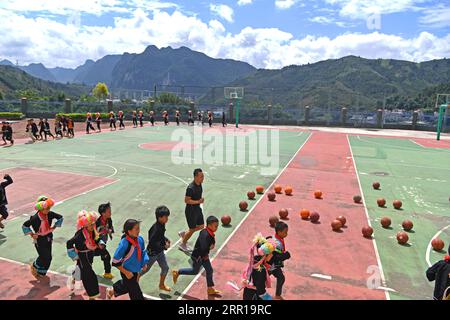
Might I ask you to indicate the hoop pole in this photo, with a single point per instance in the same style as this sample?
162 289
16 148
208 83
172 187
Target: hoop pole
440 121
238 104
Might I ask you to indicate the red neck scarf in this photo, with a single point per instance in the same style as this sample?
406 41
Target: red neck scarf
211 233
135 243
44 228
104 224
447 258
90 241
282 242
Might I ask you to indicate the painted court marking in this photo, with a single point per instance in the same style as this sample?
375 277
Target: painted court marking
377 254
67 277
427 255
245 218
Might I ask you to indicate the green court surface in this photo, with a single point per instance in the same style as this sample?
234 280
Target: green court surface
420 178
143 179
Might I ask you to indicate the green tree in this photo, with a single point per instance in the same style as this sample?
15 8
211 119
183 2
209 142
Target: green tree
100 91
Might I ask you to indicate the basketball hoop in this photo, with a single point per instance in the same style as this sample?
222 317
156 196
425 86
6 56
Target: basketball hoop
235 94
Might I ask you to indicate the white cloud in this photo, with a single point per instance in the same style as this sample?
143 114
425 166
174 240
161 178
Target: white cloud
361 9
59 44
285 4
223 11
244 2
437 17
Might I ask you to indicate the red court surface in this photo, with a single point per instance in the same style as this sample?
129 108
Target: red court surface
324 163
30 183
427 143
19 284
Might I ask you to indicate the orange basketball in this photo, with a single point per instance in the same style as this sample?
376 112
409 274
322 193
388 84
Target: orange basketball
304 213
288 190
318 194
277 188
259 189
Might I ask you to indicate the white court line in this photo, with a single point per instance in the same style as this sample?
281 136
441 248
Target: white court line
321 276
66 276
377 254
415 142
427 255
400 147
243 220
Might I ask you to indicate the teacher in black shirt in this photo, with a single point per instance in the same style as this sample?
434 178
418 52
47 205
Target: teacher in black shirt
193 211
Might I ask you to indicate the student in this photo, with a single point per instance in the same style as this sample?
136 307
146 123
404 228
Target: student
131 259
177 117
190 119
41 125
200 118
112 121
152 118
58 128
224 119
81 248
7 133
121 118
34 130
193 212
134 117
39 228
157 243
4 132
440 274
166 118
3 200
47 131
256 277
98 121
70 128
141 118
200 256
30 132
64 125
210 118
89 125
279 256
105 229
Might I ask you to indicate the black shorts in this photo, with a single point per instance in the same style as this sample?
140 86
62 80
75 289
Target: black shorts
4 212
194 218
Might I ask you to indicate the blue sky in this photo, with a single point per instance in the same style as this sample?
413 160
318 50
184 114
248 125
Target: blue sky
265 33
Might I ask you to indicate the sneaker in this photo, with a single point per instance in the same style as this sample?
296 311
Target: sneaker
33 271
108 276
175 275
184 247
109 293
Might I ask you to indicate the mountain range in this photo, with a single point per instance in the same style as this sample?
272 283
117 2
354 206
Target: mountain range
348 81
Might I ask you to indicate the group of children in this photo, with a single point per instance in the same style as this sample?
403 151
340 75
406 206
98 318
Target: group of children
138 119
64 127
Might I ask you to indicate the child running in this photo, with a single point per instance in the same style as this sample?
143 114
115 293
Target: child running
224 119
42 129
89 125
152 118
279 256
190 119
112 121
39 228
82 247
134 117
440 274
200 256
7 132
131 259
3 200
98 121
34 131
141 119
157 243
166 118
256 277
70 128
64 125
121 118
210 118
47 131
105 229
58 128
177 117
